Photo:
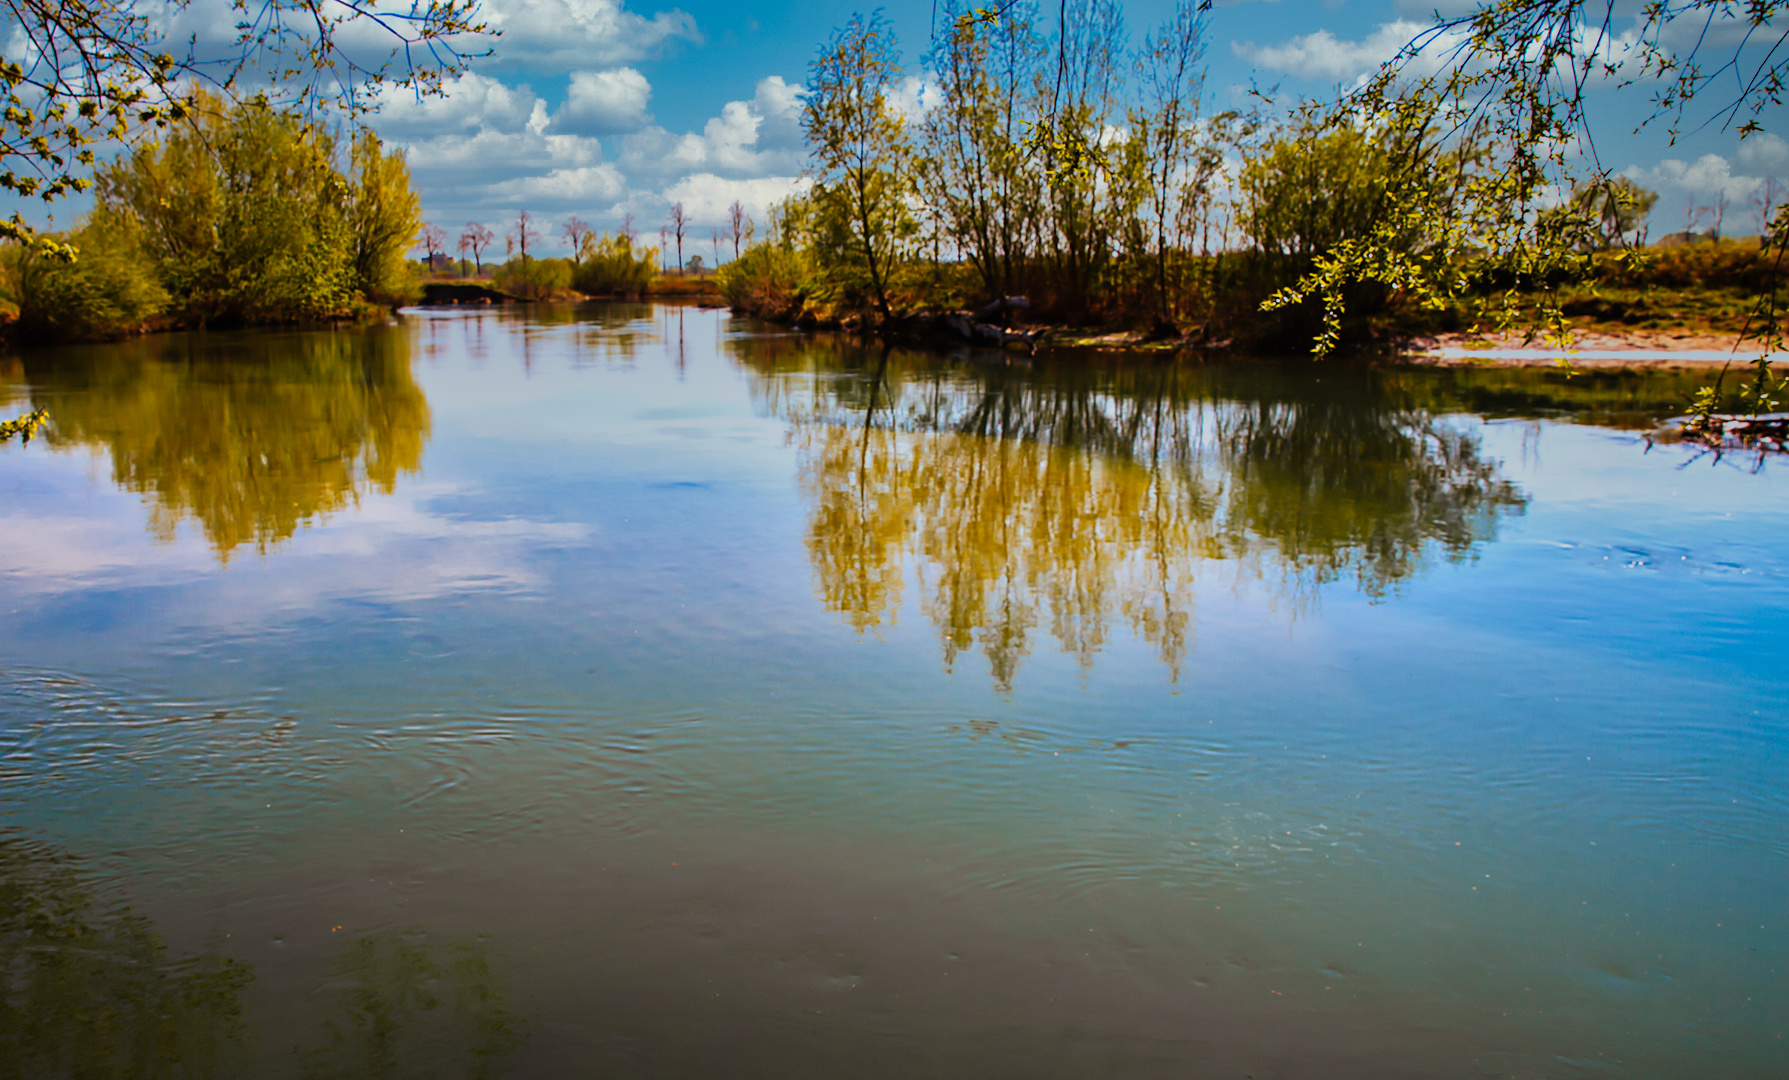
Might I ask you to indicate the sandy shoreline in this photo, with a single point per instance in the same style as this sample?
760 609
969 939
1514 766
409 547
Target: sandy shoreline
1615 349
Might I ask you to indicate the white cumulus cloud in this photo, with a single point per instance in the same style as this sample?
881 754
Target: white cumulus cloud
707 197
761 136
1322 55
581 33
604 102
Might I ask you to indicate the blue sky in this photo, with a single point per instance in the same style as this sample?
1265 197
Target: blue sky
605 108
601 108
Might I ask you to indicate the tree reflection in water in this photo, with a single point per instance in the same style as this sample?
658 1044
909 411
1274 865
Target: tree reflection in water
1080 498
88 990
402 1006
250 435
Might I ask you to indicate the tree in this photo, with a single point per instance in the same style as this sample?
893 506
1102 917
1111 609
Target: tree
1765 199
677 225
1614 208
434 242
465 245
476 237
736 225
95 71
385 214
574 231
975 177
1173 69
861 152
1519 72
246 218
524 233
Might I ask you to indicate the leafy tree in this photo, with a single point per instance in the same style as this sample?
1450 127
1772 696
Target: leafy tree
862 156
974 174
111 289
385 215
246 219
1519 73
1181 164
611 265
88 72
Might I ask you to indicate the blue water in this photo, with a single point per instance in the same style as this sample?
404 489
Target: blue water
637 690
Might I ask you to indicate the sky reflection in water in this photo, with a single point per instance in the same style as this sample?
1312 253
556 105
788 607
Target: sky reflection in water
655 694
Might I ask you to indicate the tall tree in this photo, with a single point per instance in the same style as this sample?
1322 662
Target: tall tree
524 233
862 154
678 224
735 225
385 215
574 231
1172 67
974 176
477 237
434 242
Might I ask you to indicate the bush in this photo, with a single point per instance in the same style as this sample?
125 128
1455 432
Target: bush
1731 264
769 279
248 215
385 215
610 265
533 279
109 290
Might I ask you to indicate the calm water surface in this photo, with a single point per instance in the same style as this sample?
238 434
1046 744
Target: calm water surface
639 692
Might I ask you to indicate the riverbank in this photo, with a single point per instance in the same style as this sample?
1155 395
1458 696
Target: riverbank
1589 348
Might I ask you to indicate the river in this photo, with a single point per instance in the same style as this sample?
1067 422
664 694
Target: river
629 690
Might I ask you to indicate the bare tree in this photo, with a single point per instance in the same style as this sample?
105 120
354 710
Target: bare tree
664 247
678 224
1720 212
465 246
1765 198
717 247
477 237
574 232
524 233
627 229
735 224
434 241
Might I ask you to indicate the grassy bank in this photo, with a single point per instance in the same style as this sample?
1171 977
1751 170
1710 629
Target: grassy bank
1705 289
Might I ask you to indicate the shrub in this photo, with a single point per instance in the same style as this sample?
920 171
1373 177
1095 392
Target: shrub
249 215
109 290
767 279
533 279
611 265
